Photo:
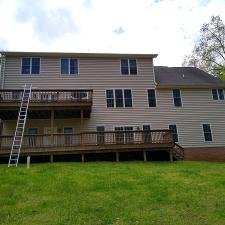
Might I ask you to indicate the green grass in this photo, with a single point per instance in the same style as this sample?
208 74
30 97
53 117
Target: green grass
113 193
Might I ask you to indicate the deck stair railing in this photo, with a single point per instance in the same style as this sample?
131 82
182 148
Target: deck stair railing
178 152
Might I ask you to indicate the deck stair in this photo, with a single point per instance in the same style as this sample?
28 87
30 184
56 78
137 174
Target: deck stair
178 152
21 121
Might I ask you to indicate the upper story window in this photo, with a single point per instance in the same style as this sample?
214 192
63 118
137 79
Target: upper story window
128 66
218 94
207 132
69 66
119 98
177 98
151 98
173 129
30 65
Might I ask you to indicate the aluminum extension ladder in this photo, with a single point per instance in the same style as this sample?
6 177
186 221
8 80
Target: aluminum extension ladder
20 126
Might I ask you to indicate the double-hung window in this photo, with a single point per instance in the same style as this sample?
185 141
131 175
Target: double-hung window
177 98
119 98
173 129
69 66
30 66
124 135
128 66
100 134
218 94
207 132
151 98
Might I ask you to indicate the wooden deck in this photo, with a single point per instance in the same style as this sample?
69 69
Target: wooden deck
91 142
46 98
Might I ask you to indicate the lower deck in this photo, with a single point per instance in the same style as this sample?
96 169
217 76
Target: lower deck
91 142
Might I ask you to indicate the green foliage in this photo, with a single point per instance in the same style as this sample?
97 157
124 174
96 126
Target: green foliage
209 50
133 193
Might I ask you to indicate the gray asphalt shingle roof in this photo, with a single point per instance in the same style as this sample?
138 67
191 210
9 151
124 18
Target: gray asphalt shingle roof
185 76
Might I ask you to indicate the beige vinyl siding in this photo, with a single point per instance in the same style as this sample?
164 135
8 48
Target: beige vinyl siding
93 73
100 74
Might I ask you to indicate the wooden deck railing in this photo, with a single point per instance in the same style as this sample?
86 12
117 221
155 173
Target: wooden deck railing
91 139
42 96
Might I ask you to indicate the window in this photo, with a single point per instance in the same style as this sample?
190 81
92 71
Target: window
177 98
151 98
69 66
128 66
30 66
68 131
100 134
147 137
124 135
119 98
127 98
218 94
32 136
207 132
110 98
173 129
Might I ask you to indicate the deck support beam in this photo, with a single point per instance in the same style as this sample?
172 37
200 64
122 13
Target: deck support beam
144 156
81 119
82 158
52 126
51 158
171 156
117 157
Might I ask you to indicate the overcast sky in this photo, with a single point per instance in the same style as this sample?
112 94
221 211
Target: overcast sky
166 27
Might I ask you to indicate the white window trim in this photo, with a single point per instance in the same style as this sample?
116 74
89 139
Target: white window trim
114 98
156 102
29 74
181 98
70 74
128 67
203 134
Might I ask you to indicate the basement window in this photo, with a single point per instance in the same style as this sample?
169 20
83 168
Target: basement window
207 132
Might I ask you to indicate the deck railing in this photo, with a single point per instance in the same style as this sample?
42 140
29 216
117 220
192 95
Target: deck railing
47 96
91 139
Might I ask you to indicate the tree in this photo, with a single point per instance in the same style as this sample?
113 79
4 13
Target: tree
209 51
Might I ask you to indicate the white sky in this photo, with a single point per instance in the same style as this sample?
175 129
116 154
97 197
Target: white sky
166 27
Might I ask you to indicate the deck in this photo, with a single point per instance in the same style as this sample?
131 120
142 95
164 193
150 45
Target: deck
91 142
64 103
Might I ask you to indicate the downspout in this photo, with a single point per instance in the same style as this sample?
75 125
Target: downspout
2 69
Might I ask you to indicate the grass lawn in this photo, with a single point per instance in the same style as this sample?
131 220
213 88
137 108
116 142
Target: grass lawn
113 193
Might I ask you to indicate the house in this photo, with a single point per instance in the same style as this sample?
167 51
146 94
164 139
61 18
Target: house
94 102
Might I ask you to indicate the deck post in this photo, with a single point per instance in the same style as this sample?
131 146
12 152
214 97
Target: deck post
117 157
144 156
82 158
81 120
51 158
52 126
171 156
